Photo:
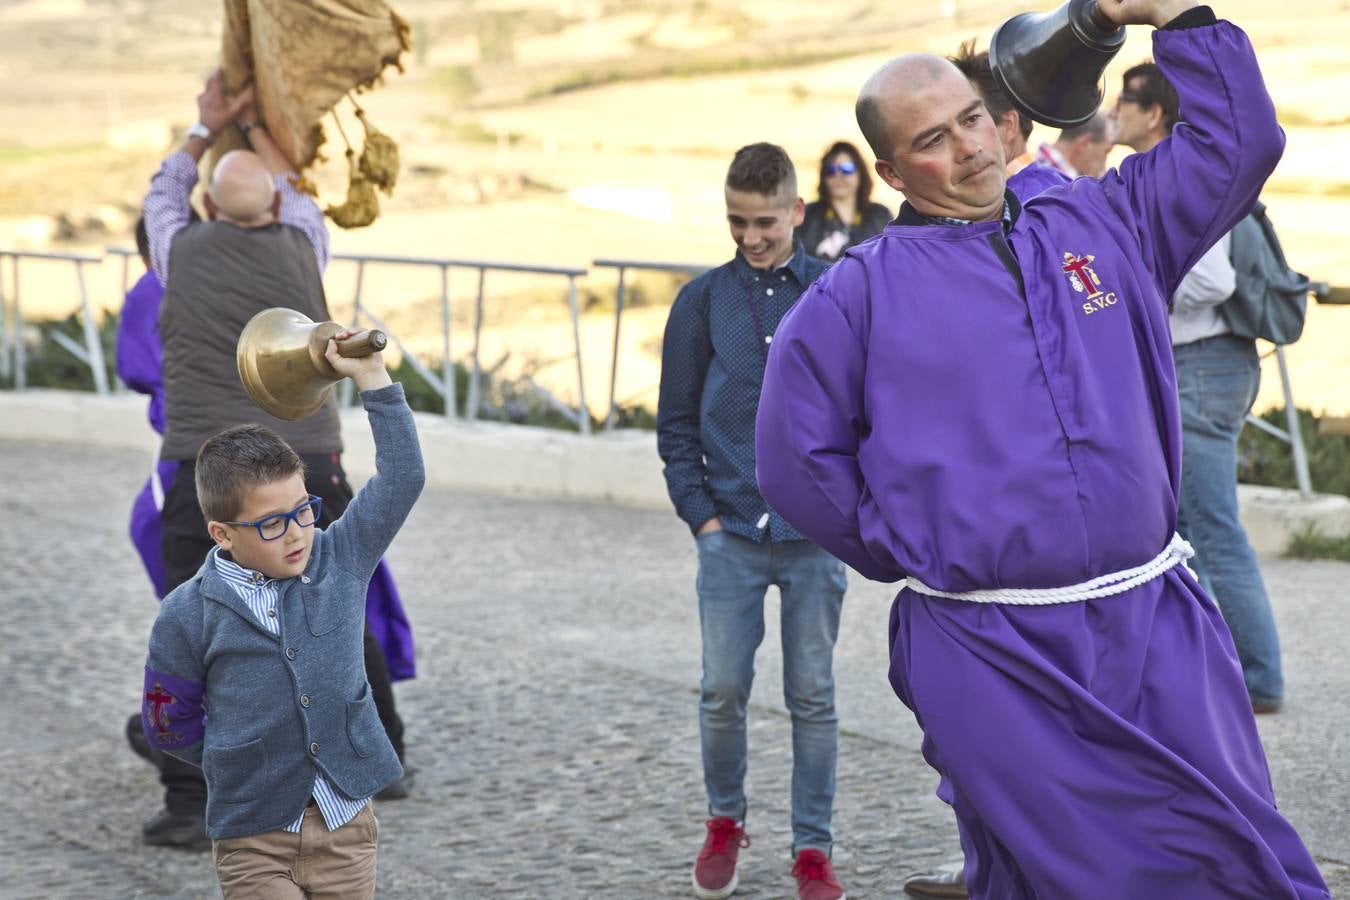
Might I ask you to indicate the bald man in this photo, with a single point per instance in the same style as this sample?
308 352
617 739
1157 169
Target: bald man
980 403
264 245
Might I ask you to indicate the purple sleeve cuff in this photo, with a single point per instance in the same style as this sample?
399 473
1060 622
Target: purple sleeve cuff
171 711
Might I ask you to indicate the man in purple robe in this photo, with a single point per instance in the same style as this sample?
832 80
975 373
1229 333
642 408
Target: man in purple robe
982 402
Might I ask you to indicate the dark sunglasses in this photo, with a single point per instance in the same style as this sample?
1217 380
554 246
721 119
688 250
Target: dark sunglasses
843 168
1130 97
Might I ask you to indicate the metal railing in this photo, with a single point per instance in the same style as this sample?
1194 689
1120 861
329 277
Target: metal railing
1294 436
127 254
637 265
444 384
13 350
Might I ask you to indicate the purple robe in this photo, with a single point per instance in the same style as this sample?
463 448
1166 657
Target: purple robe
984 411
389 623
1033 179
140 365
140 359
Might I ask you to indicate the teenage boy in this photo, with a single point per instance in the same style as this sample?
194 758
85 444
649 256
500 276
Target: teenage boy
716 343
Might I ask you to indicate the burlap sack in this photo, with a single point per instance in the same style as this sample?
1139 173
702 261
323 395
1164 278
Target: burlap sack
303 57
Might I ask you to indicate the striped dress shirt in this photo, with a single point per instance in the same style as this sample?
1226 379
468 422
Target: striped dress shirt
259 594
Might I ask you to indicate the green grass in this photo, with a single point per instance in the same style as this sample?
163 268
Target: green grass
1312 544
51 366
471 131
12 155
1264 459
458 82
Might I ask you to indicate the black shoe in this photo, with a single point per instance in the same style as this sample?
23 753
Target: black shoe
166 829
400 789
140 744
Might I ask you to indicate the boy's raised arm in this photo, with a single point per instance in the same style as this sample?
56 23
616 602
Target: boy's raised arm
364 532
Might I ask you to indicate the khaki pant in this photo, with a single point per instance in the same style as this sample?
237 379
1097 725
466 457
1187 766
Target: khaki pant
316 863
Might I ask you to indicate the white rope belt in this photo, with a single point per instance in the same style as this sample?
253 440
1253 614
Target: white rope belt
1102 586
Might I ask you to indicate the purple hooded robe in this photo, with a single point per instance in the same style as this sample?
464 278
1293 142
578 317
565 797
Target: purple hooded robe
982 411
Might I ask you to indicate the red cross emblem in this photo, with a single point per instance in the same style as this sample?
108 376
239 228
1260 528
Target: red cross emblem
1081 276
158 698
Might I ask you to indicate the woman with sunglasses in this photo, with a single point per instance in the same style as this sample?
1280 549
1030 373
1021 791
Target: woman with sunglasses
844 214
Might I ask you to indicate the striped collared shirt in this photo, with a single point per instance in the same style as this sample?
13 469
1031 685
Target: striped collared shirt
259 594
955 222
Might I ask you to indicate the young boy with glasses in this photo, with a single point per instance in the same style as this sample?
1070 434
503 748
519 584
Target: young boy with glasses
256 670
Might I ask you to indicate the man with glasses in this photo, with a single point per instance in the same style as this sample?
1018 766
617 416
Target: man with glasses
1218 374
265 245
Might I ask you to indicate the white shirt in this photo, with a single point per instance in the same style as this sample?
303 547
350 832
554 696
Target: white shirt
1195 305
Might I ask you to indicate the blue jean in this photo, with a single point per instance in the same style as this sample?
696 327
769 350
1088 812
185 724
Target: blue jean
733 576
1217 379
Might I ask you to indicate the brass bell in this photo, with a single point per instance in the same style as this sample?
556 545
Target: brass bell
1050 65
282 364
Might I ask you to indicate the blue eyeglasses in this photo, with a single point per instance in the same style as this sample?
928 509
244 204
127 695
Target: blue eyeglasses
274 526
840 168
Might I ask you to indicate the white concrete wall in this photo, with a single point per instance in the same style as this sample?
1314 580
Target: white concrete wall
621 467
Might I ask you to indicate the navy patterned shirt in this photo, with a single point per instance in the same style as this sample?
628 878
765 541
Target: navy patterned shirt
712 369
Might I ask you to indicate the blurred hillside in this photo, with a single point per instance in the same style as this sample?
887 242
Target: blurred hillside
559 132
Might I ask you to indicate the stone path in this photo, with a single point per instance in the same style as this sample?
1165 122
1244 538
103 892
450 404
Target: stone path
553 723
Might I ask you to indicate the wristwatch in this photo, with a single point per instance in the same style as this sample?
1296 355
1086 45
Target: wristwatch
200 131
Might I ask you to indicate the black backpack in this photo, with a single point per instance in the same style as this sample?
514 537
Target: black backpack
1271 299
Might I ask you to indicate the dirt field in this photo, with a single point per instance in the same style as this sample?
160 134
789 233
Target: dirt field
556 133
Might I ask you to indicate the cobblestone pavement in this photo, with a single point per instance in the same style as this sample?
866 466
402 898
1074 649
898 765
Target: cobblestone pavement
553 723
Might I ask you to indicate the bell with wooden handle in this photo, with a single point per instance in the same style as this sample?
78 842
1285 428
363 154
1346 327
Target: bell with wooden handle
282 364
1050 65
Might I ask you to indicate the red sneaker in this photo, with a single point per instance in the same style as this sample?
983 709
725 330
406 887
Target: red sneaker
715 870
815 877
